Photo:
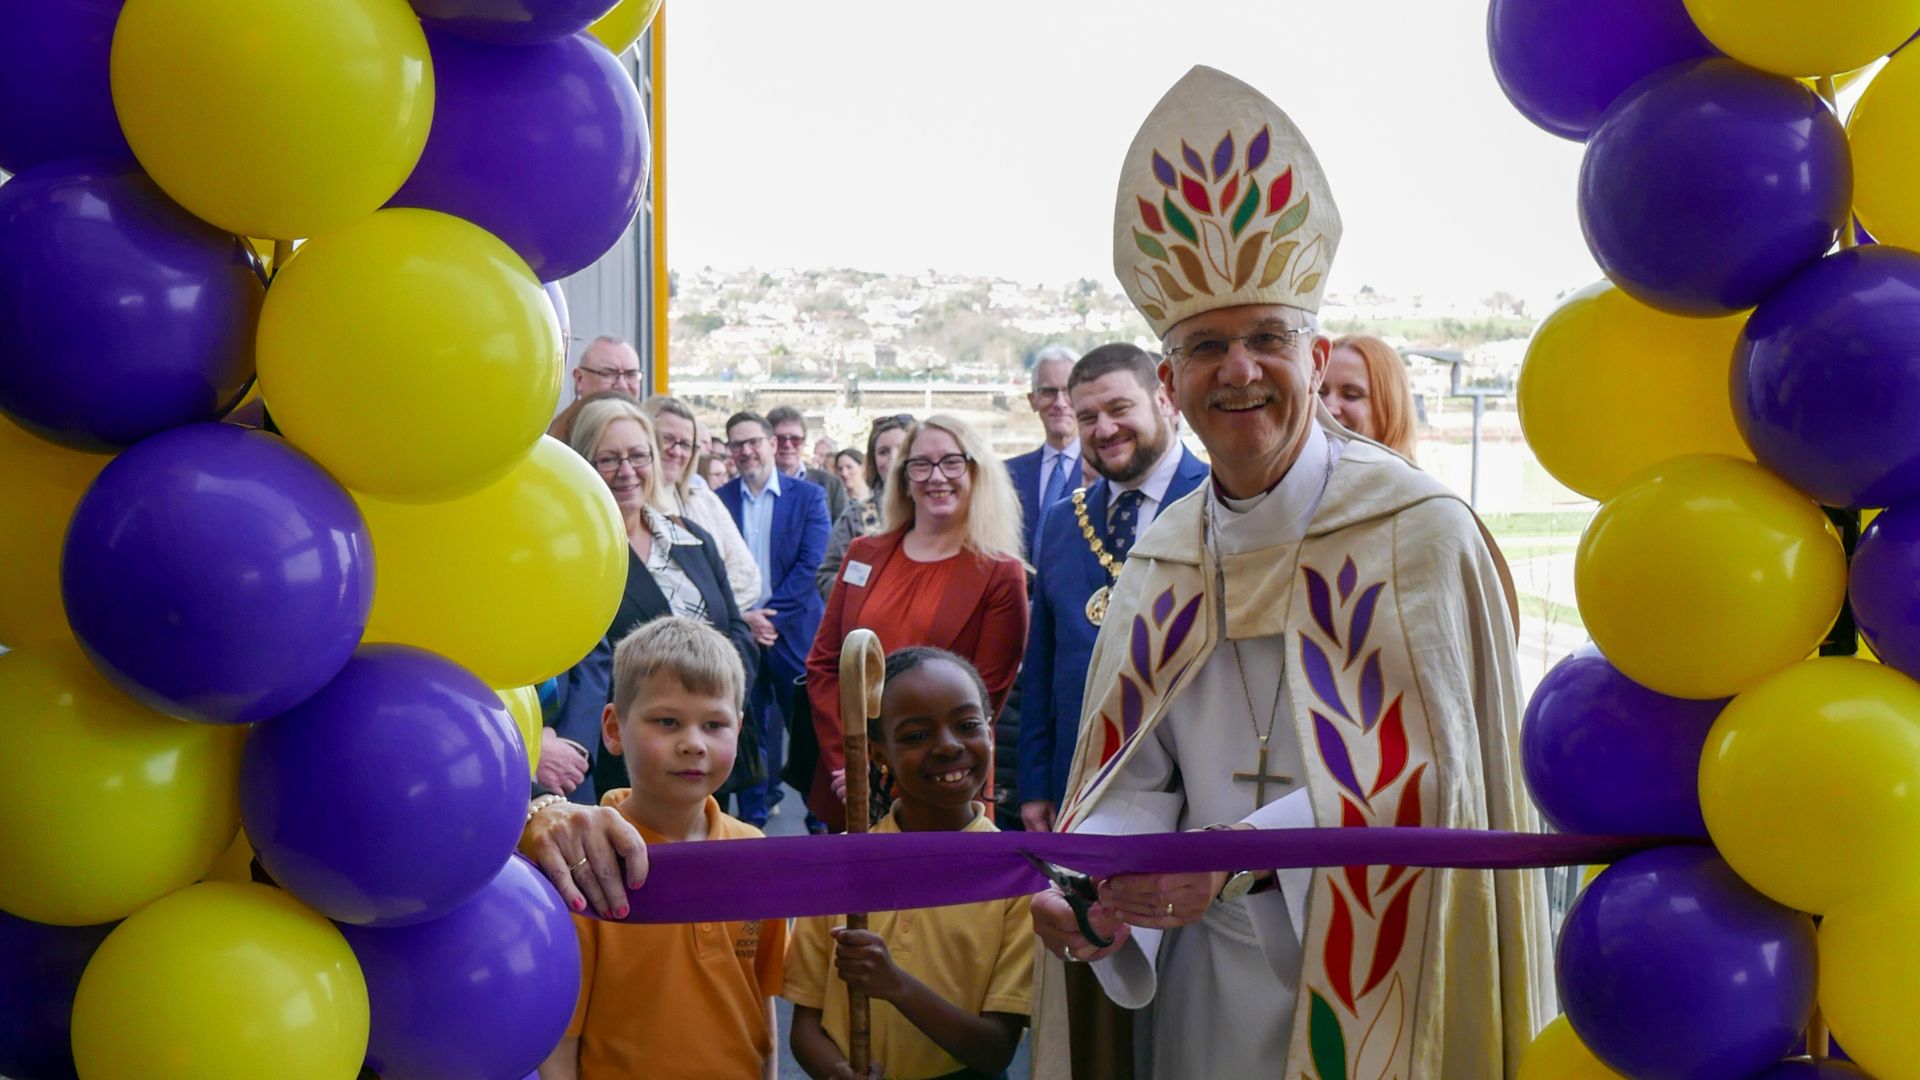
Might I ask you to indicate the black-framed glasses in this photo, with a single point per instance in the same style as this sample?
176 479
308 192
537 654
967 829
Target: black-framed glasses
737 445
675 442
1270 343
631 375
952 466
609 464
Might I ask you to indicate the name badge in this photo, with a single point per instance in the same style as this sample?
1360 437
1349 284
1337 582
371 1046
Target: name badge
858 573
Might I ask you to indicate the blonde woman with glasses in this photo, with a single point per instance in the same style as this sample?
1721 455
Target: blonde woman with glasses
689 497
944 570
673 568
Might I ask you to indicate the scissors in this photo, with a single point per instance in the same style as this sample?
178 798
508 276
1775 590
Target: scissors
1079 891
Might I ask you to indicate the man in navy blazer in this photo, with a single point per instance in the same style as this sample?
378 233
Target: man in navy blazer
1048 474
1131 432
785 524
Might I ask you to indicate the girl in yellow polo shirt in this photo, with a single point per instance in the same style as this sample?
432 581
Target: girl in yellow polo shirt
951 986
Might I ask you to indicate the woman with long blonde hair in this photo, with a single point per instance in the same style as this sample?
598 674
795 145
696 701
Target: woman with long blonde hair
1365 388
687 496
945 570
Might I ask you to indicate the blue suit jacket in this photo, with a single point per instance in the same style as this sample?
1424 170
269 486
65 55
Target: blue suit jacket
1060 639
1025 471
799 542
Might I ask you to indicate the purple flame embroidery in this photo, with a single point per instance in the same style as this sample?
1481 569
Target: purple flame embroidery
1362 622
1320 676
1320 602
1333 751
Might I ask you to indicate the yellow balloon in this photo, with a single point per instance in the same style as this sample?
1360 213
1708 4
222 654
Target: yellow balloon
1810 784
620 28
234 864
1587 874
515 582
222 982
1611 386
412 354
274 118
1558 1054
1883 130
1707 574
42 483
109 805
1869 980
524 703
1806 37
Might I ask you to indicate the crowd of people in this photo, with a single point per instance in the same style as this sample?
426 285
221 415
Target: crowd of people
1070 635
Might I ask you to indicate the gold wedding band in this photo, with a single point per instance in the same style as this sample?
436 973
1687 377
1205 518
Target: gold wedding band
578 865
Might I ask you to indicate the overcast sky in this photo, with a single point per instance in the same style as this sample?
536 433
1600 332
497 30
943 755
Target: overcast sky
986 137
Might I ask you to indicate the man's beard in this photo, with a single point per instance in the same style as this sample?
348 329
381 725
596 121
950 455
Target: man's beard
1146 454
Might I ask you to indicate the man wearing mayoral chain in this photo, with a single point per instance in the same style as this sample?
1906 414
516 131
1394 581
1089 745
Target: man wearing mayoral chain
1323 635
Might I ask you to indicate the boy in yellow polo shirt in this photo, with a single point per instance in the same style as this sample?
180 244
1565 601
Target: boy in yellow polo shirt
691 1001
951 986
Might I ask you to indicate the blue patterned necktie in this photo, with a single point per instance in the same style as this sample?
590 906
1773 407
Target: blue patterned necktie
1056 486
1125 520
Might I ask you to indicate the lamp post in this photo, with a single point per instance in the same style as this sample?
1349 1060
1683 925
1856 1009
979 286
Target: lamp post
1456 361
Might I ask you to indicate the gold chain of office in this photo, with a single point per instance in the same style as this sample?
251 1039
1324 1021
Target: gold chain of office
1097 603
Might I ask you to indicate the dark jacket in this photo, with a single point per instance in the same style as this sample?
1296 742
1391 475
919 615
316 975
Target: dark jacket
800 528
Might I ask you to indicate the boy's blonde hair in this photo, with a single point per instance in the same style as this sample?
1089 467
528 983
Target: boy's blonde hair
697 655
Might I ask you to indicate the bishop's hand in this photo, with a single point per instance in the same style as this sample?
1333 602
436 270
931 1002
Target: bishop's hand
1059 930
1161 901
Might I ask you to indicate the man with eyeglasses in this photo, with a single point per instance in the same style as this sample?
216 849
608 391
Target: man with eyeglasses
1321 636
790 457
785 523
1051 472
607 365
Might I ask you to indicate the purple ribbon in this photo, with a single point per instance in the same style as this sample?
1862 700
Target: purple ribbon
796 876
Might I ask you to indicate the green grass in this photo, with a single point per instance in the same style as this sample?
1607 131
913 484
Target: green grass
1539 523
1541 608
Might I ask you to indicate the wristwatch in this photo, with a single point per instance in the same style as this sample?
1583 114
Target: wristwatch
1239 884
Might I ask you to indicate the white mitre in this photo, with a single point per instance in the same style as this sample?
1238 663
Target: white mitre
1221 203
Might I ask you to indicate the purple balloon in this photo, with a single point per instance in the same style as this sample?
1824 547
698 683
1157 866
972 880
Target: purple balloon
40 968
391 796
55 97
1814 1070
1711 184
544 146
122 314
1883 584
217 574
482 993
511 22
1672 968
1826 379
1603 754
1562 62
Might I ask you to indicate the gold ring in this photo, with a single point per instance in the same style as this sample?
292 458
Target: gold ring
1169 909
578 865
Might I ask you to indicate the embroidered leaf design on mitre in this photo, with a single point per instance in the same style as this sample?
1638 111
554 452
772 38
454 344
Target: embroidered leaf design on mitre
1180 222
1337 954
1162 170
1148 246
1293 218
1277 263
1309 260
1320 602
1320 676
1381 1043
1333 751
1391 936
1213 240
1257 148
1150 216
1173 288
1192 159
1190 266
1195 193
1325 1039
1152 311
1393 748
1228 193
1247 206
1223 155
1349 575
1307 285
1149 288
1281 191
1249 258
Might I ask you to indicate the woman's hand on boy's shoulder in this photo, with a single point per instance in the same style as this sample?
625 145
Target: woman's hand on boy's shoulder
864 963
581 850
